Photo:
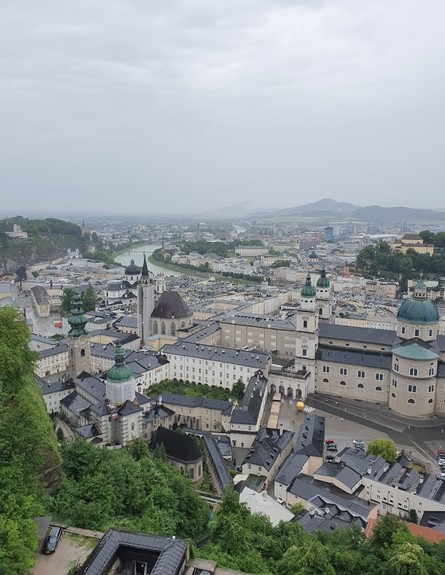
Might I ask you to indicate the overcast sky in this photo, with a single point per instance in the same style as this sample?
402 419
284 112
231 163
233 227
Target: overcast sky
190 105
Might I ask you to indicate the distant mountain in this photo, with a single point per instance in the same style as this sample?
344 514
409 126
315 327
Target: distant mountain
324 205
388 215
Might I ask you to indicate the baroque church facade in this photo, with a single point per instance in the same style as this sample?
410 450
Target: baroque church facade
404 369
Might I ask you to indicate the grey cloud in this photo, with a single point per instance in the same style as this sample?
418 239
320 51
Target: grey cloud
210 103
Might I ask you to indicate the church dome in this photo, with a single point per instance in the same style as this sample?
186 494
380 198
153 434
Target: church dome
132 269
120 372
308 291
323 281
418 311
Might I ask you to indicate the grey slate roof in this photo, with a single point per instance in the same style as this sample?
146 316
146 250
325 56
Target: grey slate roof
93 386
171 553
202 333
75 402
266 449
291 468
60 348
334 519
257 359
340 471
351 357
187 401
259 321
361 334
40 295
54 386
219 466
177 445
322 495
310 439
171 306
248 412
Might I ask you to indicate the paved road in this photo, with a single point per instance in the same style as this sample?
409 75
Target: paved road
345 426
70 551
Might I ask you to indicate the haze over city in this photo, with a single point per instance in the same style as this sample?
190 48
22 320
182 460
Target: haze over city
185 107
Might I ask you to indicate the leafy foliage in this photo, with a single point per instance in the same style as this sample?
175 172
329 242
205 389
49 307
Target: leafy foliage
249 543
88 297
190 389
380 260
128 489
27 446
385 448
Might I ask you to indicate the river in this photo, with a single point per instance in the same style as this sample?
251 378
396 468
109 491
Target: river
137 254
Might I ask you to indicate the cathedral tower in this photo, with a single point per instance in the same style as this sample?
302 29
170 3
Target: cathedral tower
306 325
323 297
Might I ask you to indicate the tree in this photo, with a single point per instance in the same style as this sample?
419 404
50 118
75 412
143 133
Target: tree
89 299
17 359
385 448
407 559
27 446
67 300
238 389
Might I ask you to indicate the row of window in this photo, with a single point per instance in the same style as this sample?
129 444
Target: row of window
359 385
413 388
417 332
360 373
410 400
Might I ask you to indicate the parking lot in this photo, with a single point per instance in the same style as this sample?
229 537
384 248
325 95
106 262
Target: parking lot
71 550
344 431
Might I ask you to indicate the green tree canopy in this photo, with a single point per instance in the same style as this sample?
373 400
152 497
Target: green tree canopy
385 448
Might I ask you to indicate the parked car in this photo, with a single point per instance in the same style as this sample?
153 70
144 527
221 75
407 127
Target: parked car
357 442
331 447
51 540
329 441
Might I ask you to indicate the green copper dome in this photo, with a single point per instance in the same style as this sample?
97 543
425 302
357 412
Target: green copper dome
308 291
323 281
418 310
120 372
77 320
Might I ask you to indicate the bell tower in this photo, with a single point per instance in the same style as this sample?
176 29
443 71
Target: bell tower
79 352
306 325
146 302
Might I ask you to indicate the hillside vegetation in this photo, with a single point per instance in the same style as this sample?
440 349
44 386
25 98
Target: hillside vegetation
47 239
29 458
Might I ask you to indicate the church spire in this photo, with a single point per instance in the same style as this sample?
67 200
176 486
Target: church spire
77 320
145 268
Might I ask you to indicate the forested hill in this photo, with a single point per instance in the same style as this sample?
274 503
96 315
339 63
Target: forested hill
47 239
29 456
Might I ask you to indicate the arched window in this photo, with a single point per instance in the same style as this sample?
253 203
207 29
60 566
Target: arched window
320 311
305 324
430 401
182 323
393 395
361 386
325 380
163 328
378 388
155 327
82 353
342 382
173 328
192 473
410 400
